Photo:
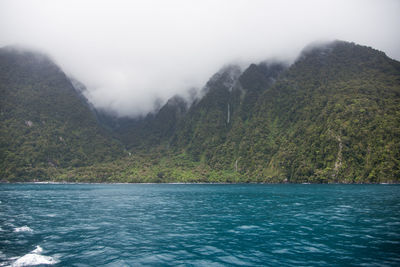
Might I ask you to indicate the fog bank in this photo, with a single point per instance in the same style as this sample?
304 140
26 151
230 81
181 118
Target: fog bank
131 53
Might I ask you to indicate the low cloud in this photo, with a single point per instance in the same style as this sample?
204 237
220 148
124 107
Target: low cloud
131 53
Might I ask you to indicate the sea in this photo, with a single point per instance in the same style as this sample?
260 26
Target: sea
199 225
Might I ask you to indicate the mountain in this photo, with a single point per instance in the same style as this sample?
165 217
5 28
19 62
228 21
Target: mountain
45 125
227 104
333 116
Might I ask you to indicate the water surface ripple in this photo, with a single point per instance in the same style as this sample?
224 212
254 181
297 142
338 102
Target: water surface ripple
200 225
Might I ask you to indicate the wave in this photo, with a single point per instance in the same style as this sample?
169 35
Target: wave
247 227
34 258
37 250
23 229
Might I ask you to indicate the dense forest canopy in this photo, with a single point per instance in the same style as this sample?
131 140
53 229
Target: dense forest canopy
332 116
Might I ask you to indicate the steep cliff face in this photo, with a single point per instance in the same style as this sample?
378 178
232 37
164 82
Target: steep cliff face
220 115
44 123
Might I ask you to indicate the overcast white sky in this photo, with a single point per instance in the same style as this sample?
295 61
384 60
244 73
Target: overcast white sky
128 53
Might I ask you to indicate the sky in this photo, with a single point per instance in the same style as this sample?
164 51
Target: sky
130 54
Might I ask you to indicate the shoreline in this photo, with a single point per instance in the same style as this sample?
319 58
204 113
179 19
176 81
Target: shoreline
189 183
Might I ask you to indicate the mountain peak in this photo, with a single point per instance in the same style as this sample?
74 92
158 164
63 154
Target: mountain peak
26 53
226 78
338 48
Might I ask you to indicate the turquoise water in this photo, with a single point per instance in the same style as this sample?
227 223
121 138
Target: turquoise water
199 225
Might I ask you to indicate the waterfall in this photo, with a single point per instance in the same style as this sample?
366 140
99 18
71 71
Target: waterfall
229 114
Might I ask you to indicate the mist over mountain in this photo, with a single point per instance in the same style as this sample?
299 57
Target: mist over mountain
133 54
274 126
45 124
331 116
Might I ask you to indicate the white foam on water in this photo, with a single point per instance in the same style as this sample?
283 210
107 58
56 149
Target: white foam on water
34 258
247 227
23 229
37 250
7 262
280 251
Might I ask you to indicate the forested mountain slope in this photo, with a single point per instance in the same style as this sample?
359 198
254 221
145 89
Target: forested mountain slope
332 116
44 124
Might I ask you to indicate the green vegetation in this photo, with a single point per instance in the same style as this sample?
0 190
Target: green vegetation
44 126
332 116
